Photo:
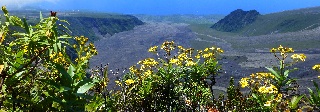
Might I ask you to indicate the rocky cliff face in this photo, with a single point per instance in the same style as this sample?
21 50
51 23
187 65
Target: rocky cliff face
236 20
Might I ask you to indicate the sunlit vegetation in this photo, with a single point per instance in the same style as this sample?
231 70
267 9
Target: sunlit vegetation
36 74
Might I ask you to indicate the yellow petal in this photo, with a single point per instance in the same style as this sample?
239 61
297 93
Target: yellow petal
1 68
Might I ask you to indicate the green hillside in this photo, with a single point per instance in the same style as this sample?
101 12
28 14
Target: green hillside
236 20
281 22
186 18
90 24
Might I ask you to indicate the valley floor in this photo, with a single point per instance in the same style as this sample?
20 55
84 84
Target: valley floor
243 55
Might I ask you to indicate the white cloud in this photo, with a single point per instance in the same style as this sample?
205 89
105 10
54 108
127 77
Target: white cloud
21 3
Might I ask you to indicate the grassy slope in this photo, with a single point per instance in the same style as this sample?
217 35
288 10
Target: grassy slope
289 28
286 21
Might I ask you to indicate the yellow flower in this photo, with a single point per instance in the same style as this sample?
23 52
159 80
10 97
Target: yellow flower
266 75
190 63
316 67
167 46
174 61
149 62
1 68
52 55
279 97
2 36
267 104
60 54
280 48
206 49
263 89
207 55
272 89
133 69
153 49
290 50
182 56
303 57
181 48
220 50
297 57
129 81
273 50
197 56
118 82
252 76
147 73
252 81
244 82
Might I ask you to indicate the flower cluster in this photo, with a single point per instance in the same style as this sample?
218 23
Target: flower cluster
282 50
168 46
58 58
153 49
256 79
316 67
244 82
209 53
268 89
147 63
129 82
88 49
298 57
284 53
262 83
81 40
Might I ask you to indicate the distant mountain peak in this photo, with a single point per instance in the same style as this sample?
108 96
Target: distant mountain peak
236 20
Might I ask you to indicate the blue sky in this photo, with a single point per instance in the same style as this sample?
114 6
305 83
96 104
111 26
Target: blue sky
162 7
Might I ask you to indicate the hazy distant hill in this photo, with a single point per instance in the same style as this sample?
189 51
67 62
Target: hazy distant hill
281 22
236 20
185 18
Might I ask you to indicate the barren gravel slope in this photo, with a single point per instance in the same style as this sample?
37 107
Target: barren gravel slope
125 49
243 55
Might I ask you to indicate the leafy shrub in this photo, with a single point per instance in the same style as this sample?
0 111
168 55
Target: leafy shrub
36 73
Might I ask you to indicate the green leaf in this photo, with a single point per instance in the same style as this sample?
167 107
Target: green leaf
66 78
294 101
55 47
64 37
41 17
71 71
64 88
59 45
85 88
286 73
26 27
315 85
274 72
290 81
19 74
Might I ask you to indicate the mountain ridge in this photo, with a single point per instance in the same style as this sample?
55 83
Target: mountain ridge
236 20
281 22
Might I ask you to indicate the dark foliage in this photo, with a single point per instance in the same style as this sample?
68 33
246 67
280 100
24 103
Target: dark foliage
236 20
